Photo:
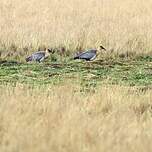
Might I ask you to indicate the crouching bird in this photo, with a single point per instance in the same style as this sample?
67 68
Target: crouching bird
39 56
89 54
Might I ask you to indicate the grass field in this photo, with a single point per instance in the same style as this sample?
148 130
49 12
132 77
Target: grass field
62 105
129 72
74 106
63 119
121 26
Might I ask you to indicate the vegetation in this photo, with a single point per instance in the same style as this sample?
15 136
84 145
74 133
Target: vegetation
65 105
61 118
129 72
120 26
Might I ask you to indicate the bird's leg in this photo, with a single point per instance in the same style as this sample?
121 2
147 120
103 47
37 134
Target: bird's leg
89 65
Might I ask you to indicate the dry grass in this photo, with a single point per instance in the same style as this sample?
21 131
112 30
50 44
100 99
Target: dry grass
62 119
119 25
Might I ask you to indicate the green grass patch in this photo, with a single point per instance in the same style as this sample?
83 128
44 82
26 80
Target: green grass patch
88 74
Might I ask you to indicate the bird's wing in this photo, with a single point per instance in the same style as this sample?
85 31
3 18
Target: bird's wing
87 55
38 55
87 51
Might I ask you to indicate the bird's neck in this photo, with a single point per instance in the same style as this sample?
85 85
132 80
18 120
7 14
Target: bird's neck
47 53
97 52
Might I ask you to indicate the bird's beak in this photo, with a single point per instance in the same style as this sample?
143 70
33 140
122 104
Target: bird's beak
102 48
50 51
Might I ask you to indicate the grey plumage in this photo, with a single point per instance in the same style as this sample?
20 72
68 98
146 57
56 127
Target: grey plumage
88 55
38 56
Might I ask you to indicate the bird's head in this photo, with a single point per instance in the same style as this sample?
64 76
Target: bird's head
48 51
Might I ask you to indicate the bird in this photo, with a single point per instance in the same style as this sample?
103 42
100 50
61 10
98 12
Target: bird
39 56
89 55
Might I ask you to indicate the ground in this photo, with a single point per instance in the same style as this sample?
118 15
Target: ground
131 72
62 105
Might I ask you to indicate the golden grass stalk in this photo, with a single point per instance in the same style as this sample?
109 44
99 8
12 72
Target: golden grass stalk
118 25
62 119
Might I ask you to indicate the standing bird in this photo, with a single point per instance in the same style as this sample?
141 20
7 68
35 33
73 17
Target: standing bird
39 56
89 55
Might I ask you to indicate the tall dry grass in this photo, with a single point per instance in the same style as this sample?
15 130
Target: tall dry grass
62 119
118 25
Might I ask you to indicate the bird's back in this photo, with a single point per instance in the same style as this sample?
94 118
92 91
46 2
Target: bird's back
37 56
87 55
